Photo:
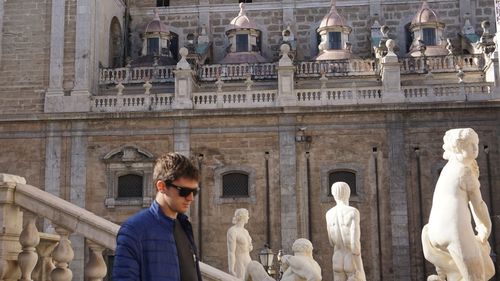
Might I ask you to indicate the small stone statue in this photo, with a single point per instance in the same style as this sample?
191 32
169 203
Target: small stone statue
342 223
147 87
219 83
249 82
239 244
301 266
256 272
448 240
120 88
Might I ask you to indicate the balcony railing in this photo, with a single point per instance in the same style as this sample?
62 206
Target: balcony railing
458 92
257 71
438 64
54 253
151 102
130 75
354 67
234 99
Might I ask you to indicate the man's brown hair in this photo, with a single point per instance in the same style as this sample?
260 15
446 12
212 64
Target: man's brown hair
172 166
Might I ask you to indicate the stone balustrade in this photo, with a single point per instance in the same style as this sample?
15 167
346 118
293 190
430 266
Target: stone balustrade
332 96
258 71
456 92
131 75
20 261
130 103
438 64
240 99
353 67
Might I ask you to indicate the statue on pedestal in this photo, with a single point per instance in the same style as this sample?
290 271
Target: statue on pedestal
342 222
448 240
239 244
301 266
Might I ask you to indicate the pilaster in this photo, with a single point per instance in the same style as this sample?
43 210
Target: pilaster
84 50
391 76
56 49
1 26
182 137
398 199
53 146
286 83
78 182
183 83
288 175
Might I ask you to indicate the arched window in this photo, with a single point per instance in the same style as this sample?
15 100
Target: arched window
130 186
235 184
115 43
346 176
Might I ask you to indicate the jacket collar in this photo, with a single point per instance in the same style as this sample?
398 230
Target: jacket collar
155 209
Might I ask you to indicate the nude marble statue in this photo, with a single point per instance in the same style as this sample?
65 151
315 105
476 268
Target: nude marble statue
239 244
256 272
301 266
448 240
342 223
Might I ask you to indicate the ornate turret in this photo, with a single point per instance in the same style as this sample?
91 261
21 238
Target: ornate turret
244 40
334 32
427 32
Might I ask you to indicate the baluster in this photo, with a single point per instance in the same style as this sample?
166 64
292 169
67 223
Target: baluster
95 269
45 265
27 259
62 255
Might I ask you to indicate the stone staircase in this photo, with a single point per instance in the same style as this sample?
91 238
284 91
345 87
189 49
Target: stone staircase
27 254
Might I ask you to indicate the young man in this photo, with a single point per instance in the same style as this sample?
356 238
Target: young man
157 244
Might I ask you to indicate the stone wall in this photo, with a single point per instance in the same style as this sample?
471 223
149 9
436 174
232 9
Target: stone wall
69 46
107 11
25 56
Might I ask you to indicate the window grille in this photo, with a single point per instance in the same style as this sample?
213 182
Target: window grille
162 3
334 41
130 186
153 46
235 185
241 43
429 36
345 176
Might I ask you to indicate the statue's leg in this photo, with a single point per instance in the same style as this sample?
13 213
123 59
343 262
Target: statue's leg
339 276
468 263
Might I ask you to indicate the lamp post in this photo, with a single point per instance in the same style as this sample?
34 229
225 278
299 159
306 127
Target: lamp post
266 257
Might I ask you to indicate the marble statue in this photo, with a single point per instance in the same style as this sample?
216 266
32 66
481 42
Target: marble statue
301 266
342 223
448 240
256 272
239 244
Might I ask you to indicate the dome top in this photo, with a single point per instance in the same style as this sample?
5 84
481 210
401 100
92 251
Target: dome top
156 25
425 15
333 18
242 21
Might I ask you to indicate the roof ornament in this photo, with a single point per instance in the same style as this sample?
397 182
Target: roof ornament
157 14
242 9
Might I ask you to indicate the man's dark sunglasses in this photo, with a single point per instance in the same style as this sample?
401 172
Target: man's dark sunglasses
184 191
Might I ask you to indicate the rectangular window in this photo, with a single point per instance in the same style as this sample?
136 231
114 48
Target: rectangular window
153 46
429 36
241 42
162 3
334 41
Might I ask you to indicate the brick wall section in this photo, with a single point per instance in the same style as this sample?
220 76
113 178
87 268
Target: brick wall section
25 58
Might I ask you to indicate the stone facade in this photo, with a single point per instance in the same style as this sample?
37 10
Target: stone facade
388 130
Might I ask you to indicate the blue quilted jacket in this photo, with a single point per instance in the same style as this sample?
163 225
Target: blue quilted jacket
145 247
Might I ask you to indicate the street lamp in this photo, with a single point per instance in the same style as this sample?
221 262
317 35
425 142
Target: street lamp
266 257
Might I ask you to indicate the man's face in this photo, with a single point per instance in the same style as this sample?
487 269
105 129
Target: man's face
175 202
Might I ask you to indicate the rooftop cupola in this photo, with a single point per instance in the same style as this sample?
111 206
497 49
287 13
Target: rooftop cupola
427 31
244 40
156 43
334 32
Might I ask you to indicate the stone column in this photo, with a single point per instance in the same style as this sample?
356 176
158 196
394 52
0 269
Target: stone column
183 83
78 182
84 49
391 75
288 175
11 225
398 199
182 137
53 146
286 71
56 49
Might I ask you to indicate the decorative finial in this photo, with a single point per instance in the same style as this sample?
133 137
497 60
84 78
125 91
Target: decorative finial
120 87
285 59
183 63
242 9
390 44
249 82
147 87
157 14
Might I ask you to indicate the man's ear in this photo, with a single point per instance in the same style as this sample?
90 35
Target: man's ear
160 186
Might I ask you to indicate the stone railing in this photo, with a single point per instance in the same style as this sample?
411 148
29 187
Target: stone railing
20 261
130 75
346 67
241 99
458 92
331 96
151 102
257 71
442 64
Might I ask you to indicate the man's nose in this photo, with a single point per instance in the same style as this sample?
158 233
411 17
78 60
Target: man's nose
190 197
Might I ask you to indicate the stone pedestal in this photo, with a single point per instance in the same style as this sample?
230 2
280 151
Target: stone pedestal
492 74
391 76
286 83
183 83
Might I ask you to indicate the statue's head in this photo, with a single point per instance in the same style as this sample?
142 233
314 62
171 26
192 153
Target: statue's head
341 192
460 144
302 245
240 215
